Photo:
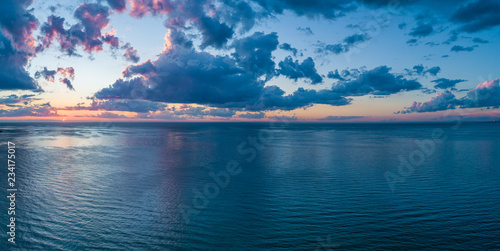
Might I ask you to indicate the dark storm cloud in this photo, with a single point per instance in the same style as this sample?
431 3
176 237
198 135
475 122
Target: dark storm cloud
214 33
459 48
238 13
16 28
254 53
378 81
295 70
288 47
444 83
18 22
118 5
186 76
146 69
478 15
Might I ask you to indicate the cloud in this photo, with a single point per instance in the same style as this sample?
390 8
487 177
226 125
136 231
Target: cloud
378 81
340 118
422 71
186 76
458 48
306 30
412 41
139 106
18 23
16 45
480 41
92 19
422 30
273 98
336 75
67 82
187 111
252 115
478 15
310 9
483 95
13 99
443 83
44 110
434 70
146 69
486 94
214 33
49 75
254 53
288 47
283 118
440 102
347 44
295 70
118 5
110 115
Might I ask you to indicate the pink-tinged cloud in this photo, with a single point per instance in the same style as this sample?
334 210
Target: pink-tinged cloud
140 8
111 39
44 110
18 24
486 94
483 95
440 102
65 73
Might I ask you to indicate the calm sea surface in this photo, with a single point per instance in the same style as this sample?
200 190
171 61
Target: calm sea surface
237 186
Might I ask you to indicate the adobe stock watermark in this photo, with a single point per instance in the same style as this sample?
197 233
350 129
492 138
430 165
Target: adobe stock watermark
11 191
249 149
326 244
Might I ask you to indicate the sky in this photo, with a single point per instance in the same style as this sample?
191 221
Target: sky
250 60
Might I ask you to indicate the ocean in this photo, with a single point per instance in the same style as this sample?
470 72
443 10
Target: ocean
251 186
